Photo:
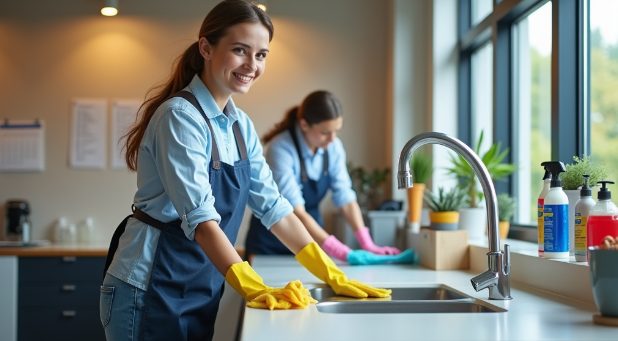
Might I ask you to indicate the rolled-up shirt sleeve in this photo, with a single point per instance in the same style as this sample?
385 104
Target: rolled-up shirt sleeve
182 151
341 184
265 200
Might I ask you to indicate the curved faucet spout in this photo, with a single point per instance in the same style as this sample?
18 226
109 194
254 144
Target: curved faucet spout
497 263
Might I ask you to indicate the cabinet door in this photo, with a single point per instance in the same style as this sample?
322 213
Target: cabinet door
59 298
8 298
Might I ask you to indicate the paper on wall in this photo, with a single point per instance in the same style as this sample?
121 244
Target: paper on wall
124 113
88 134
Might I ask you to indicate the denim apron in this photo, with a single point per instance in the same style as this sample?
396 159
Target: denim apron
185 288
259 239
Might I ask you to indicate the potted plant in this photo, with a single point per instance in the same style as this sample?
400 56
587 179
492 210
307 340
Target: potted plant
444 207
473 218
421 165
573 178
506 208
368 185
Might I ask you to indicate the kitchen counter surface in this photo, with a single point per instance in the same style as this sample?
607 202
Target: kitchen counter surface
54 250
531 315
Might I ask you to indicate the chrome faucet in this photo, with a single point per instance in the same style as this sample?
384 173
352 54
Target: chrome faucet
497 277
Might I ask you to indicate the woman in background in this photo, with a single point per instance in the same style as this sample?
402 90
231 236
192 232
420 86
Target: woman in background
199 163
308 160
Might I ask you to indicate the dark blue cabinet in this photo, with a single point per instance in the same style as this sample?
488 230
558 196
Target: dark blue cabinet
58 298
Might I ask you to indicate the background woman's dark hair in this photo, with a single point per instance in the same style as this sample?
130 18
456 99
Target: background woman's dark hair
318 106
224 15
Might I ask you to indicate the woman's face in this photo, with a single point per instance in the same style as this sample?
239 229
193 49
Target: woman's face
321 134
236 62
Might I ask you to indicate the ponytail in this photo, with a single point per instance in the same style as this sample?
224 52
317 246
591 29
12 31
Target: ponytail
288 122
186 66
317 107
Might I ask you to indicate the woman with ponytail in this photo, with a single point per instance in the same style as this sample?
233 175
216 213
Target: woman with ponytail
307 160
199 163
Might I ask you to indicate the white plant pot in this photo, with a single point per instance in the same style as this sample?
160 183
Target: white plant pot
473 220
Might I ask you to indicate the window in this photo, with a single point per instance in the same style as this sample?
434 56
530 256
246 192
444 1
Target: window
482 95
538 54
480 9
531 108
603 44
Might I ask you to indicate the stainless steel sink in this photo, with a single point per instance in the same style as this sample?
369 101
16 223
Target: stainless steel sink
435 292
407 307
435 298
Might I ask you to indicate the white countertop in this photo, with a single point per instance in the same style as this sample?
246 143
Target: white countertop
531 315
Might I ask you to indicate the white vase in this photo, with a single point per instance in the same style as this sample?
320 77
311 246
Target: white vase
473 220
573 195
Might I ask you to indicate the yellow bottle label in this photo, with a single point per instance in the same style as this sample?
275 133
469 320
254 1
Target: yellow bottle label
540 223
580 233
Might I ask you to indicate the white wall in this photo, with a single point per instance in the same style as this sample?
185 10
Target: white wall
51 52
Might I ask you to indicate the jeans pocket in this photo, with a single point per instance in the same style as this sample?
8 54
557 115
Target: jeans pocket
105 304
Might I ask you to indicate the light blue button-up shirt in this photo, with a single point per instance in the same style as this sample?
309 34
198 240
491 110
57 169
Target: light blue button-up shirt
173 180
283 159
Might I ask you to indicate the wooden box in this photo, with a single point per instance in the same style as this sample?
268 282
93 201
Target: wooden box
441 250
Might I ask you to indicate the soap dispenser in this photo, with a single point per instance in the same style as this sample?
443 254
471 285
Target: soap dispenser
603 219
582 211
555 215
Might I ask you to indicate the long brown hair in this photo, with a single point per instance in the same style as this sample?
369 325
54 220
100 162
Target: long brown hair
318 106
224 15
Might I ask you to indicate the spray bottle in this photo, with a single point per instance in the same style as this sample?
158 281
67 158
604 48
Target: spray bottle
539 204
555 215
582 210
603 219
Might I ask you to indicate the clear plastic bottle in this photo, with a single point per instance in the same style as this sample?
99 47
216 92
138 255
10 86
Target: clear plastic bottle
86 232
582 211
65 233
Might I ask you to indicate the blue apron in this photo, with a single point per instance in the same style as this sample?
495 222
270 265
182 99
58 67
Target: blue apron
185 288
259 239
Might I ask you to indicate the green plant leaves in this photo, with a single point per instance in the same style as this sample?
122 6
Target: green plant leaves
493 159
445 201
572 178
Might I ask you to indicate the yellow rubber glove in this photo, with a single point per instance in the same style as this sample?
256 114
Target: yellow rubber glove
319 264
250 285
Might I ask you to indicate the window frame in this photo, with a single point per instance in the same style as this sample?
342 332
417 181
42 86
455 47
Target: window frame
570 92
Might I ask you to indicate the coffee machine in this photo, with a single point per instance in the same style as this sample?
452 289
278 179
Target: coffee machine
17 222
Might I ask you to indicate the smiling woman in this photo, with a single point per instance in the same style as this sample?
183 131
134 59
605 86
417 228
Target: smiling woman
199 163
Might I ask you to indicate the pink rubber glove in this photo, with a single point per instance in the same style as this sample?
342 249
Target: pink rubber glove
336 249
365 241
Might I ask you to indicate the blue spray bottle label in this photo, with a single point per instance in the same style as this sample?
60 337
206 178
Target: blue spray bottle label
556 228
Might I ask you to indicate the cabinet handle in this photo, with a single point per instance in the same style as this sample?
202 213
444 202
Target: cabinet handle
69 313
69 259
69 287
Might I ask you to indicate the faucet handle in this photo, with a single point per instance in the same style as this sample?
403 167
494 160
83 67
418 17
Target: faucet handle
507 259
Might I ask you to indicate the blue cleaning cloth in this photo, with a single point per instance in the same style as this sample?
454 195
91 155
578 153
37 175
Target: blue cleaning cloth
362 257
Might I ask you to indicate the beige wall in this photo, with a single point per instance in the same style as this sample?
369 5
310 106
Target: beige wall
51 52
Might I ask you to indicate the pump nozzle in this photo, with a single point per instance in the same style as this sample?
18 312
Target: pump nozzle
604 192
585 191
555 168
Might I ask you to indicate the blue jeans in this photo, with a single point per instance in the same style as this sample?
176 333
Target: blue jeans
121 307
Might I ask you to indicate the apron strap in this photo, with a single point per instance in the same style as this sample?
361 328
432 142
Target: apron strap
113 244
303 169
240 142
144 218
